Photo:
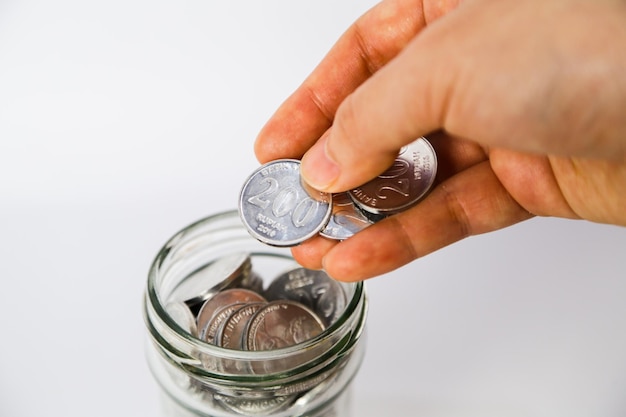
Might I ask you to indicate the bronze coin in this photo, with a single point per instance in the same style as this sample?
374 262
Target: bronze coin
211 332
280 324
222 299
233 329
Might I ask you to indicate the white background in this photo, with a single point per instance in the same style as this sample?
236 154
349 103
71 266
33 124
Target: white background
123 121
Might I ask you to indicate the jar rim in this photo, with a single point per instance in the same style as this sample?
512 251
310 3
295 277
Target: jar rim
153 304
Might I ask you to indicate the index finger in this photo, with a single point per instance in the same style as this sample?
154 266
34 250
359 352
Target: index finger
368 44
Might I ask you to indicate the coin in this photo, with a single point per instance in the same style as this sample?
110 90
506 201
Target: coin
235 326
182 315
313 288
254 406
228 271
346 219
210 333
253 283
221 299
403 184
278 208
282 323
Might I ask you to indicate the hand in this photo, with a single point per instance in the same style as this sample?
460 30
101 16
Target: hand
524 102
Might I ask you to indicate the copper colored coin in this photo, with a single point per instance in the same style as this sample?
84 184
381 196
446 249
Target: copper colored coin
280 324
212 331
222 299
233 329
403 184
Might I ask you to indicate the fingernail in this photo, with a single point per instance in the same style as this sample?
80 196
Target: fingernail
318 169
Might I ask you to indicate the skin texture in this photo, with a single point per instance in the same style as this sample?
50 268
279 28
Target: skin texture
524 103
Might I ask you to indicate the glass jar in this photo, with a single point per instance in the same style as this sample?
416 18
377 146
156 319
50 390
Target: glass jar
311 378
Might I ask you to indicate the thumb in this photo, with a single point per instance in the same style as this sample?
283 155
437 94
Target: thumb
402 101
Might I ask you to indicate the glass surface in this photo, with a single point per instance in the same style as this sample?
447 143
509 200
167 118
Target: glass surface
201 379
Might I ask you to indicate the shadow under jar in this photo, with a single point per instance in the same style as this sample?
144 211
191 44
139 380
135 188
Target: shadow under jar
308 378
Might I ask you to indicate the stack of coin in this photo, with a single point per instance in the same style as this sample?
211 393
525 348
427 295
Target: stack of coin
239 313
279 209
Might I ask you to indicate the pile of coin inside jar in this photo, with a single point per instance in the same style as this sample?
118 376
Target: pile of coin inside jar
238 313
279 209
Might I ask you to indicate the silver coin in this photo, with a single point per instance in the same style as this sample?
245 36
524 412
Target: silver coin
280 324
346 219
313 288
246 406
253 283
182 315
222 299
227 271
401 186
278 208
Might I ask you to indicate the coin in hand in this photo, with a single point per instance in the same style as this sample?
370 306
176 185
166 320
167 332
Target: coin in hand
346 219
278 208
402 185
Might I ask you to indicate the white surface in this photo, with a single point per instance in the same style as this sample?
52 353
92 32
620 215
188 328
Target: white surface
123 121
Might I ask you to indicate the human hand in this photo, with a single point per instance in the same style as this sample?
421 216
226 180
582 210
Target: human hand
523 102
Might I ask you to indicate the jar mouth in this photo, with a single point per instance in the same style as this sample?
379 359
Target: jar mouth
180 346
227 353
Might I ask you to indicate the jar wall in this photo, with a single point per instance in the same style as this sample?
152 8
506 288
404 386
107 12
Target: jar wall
311 378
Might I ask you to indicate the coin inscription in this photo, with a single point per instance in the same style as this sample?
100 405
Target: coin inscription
282 323
278 208
211 332
406 182
314 289
234 328
220 300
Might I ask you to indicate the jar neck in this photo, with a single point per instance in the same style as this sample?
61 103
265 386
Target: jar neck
295 368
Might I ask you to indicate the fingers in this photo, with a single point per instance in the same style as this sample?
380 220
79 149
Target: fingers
310 253
404 100
372 41
454 155
471 82
470 203
531 181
